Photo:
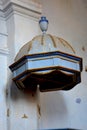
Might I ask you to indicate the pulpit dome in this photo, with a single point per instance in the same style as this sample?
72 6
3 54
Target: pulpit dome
43 44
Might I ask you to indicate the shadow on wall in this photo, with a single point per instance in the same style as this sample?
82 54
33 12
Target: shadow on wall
17 94
53 109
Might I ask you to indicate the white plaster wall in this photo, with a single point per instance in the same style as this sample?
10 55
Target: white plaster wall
3 84
22 26
26 28
3 70
19 110
18 25
67 109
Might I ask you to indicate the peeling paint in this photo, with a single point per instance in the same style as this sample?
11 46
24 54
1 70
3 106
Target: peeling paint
83 48
6 92
78 100
24 116
39 109
86 68
8 112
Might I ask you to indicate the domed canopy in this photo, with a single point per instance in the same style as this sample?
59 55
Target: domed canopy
47 61
45 43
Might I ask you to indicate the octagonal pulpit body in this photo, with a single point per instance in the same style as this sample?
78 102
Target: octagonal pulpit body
49 62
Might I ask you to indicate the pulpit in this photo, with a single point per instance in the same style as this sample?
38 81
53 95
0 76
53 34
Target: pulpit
47 61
